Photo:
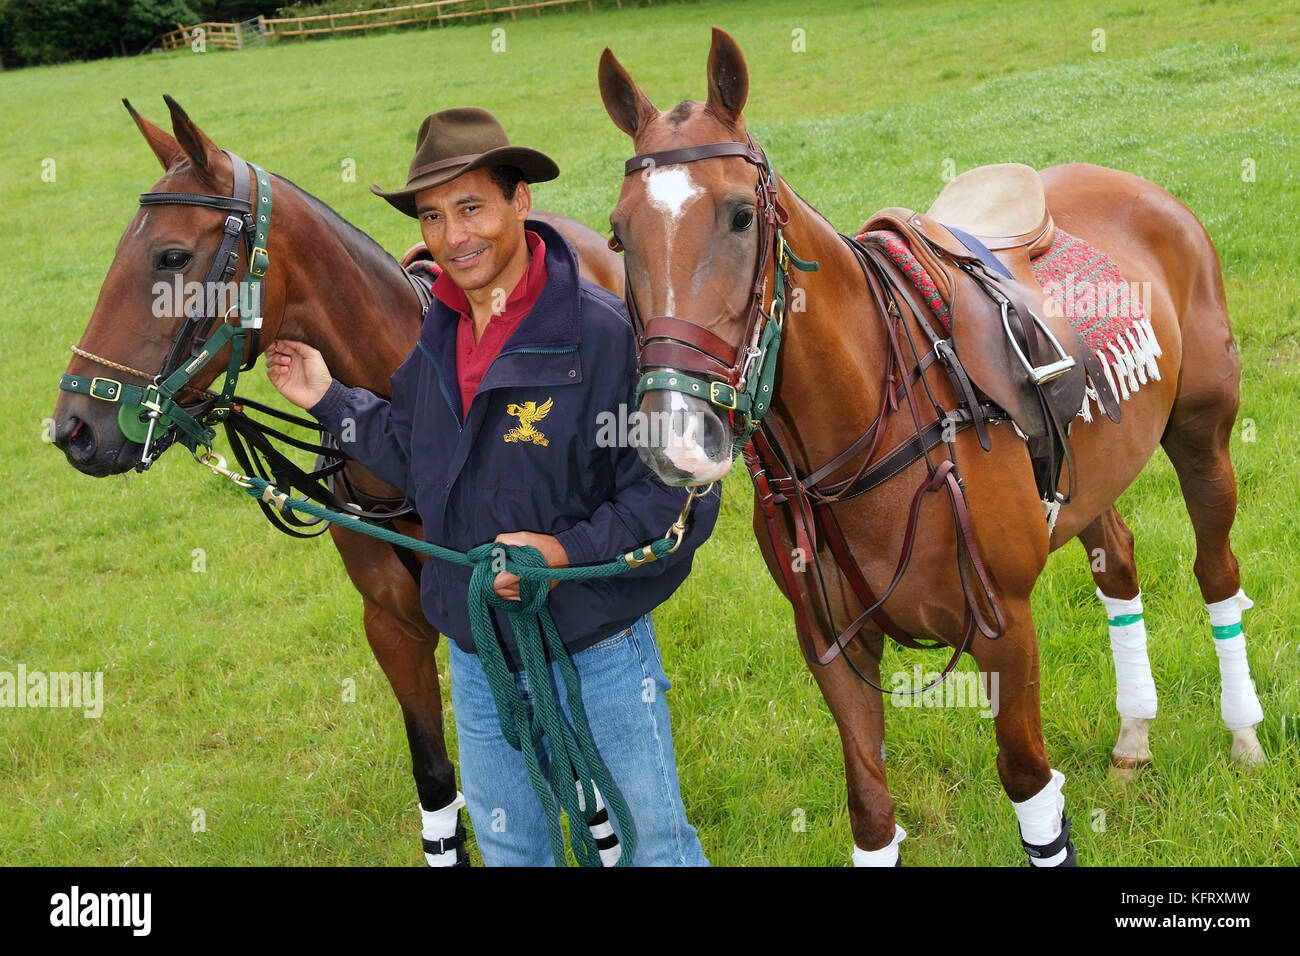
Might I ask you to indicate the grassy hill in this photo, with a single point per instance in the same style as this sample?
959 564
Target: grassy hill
225 687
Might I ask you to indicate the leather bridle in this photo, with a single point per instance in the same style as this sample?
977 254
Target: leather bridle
677 355
151 414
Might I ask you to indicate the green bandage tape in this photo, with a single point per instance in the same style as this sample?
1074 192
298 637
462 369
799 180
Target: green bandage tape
1223 632
1124 620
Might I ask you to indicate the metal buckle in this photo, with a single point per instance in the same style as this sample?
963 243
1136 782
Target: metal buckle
259 260
115 390
778 312
713 395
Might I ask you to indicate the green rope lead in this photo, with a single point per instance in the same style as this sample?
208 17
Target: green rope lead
573 754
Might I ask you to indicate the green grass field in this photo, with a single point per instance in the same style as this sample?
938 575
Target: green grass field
225 689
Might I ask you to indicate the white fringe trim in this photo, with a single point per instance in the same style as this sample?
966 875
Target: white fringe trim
1130 365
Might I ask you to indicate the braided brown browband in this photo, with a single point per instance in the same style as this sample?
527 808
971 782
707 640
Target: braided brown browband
135 371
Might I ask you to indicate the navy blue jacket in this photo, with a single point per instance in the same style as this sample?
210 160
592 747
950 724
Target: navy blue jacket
574 350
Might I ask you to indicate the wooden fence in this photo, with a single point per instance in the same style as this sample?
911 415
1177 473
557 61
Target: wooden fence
216 36
235 36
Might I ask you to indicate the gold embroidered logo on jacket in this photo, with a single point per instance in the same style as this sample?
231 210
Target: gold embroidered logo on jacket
528 413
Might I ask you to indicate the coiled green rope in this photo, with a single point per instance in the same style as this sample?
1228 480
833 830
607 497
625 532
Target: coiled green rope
573 754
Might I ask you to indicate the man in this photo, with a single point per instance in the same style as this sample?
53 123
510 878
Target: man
493 431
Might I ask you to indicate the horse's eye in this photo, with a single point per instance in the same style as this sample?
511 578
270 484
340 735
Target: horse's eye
174 259
742 220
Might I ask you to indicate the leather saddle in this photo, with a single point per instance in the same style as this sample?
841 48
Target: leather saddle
976 242
420 271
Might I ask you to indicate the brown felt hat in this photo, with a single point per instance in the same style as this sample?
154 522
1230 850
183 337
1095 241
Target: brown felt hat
456 141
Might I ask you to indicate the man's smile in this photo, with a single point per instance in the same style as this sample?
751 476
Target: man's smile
468 257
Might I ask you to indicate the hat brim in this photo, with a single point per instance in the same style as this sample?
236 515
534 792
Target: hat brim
536 167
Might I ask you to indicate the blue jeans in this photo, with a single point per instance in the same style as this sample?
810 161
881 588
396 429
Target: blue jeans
623 688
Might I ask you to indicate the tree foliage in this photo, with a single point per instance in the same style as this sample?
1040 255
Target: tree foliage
52 31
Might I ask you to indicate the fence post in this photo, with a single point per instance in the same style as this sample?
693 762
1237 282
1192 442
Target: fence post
239 37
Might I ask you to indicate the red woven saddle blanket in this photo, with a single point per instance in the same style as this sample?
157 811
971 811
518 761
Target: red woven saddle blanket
1110 314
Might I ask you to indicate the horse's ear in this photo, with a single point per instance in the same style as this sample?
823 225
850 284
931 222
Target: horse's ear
162 143
202 152
626 105
728 78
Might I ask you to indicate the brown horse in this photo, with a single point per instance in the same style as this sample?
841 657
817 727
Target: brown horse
704 273
329 285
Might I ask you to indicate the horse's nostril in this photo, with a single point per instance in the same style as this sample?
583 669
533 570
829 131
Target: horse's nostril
79 440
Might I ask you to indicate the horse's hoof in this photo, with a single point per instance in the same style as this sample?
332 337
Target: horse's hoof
1247 754
1125 769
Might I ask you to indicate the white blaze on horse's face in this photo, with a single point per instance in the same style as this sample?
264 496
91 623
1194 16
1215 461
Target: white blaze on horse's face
671 190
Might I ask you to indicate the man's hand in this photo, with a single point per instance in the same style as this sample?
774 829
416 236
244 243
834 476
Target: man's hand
298 371
507 585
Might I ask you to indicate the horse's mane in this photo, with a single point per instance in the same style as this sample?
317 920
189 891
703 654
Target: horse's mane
819 213
359 243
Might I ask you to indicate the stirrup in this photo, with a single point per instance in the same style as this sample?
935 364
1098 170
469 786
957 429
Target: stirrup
1039 374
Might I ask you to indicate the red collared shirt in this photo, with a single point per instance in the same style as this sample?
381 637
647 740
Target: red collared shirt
473 359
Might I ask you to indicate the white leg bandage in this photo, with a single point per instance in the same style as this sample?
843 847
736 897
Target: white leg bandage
441 825
1040 818
885 856
1135 689
1240 705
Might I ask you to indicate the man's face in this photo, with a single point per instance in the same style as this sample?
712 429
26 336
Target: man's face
474 233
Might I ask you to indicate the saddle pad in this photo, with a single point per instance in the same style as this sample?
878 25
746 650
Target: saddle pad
421 273
895 246
1086 286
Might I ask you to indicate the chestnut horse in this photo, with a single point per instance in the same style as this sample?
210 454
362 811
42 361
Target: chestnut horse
701 270
332 286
